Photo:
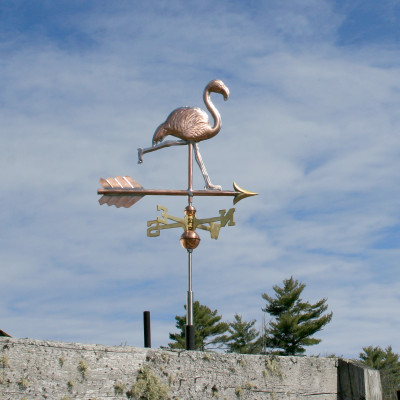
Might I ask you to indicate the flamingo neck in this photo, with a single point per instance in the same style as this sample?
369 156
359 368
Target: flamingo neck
215 114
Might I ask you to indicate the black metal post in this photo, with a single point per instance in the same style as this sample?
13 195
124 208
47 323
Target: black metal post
146 326
189 331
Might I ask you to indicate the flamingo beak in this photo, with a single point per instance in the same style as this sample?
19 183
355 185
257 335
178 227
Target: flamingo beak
225 92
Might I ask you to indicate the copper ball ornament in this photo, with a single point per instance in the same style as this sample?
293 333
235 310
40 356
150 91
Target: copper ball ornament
190 240
190 211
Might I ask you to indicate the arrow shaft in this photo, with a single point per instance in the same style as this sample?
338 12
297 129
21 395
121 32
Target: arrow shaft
164 192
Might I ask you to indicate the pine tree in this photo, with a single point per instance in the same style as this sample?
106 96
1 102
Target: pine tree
208 329
388 365
243 338
294 321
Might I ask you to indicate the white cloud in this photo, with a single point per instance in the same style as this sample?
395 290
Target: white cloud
310 126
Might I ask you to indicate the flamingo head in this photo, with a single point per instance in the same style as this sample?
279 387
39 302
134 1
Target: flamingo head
218 86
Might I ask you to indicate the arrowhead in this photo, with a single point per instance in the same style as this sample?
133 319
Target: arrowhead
241 193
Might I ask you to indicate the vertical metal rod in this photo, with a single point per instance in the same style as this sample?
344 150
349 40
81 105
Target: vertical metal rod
189 306
190 173
189 303
189 328
146 326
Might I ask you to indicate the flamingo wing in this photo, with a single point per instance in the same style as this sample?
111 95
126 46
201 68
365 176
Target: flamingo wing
184 123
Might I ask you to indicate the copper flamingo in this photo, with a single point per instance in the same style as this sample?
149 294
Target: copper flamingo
191 125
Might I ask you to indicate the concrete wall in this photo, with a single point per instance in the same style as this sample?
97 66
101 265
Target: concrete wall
32 369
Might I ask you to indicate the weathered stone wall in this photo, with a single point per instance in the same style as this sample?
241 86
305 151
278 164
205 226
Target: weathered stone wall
32 369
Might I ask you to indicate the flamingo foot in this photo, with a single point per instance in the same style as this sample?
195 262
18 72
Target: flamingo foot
140 156
210 186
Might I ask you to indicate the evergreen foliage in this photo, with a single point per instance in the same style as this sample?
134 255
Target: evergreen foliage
388 365
207 325
294 321
243 338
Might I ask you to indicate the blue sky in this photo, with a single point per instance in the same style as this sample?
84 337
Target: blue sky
312 125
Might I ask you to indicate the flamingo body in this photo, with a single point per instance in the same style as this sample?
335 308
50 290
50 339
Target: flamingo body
191 123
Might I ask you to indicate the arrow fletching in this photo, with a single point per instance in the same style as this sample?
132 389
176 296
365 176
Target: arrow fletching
120 182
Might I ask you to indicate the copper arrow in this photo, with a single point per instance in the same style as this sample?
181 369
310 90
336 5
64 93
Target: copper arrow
124 191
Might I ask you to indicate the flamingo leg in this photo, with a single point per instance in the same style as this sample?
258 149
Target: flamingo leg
159 146
200 163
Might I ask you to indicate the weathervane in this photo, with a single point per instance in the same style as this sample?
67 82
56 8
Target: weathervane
190 126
